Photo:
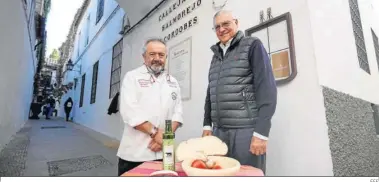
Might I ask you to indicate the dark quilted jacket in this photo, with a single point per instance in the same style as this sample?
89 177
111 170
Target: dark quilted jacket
231 98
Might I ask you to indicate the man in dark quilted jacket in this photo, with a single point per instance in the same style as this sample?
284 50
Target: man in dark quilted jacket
241 95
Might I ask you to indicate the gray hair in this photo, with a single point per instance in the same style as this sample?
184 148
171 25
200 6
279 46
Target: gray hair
154 39
222 12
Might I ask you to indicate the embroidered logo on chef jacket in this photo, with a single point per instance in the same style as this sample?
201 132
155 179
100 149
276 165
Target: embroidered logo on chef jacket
173 95
144 83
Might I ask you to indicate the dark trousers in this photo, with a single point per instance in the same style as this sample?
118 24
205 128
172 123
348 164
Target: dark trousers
238 142
48 112
125 166
55 112
67 111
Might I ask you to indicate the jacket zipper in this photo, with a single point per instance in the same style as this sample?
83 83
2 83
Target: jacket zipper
223 56
218 103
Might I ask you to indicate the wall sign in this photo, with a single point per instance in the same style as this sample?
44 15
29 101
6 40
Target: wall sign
182 28
179 66
182 14
277 37
170 9
174 8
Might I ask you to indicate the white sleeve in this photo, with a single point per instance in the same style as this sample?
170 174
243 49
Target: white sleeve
130 110
207 128
178 109
260 136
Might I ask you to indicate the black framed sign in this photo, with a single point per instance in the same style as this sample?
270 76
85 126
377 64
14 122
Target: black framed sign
277 37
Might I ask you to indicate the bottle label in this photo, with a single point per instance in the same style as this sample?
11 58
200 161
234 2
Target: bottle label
168 155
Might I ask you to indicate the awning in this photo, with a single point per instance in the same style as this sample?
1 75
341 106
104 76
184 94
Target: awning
135 10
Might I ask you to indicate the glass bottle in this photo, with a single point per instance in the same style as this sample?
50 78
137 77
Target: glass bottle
168 147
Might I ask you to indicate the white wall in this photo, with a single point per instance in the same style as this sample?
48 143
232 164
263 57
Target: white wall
103 39
17 68
335 47
298 142
109 7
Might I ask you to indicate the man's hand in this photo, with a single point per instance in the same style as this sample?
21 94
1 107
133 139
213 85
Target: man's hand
207 133
154 146
258 146
158 138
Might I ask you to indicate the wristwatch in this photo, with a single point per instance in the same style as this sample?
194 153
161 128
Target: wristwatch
153 132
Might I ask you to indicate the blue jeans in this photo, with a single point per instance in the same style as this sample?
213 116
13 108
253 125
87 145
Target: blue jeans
50 111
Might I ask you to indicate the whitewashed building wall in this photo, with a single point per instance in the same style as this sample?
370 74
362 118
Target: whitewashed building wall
17 65
307 137
94 42
324 119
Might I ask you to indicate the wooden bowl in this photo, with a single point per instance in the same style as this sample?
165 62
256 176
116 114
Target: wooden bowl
230 167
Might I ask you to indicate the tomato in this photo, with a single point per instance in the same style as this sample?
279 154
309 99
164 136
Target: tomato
199 164
216 167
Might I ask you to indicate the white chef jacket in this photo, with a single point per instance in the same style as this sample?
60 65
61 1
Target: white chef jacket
143 97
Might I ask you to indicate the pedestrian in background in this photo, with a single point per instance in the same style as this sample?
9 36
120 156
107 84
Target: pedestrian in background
67 107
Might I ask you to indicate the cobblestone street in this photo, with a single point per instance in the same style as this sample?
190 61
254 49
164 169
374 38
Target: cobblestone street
57 148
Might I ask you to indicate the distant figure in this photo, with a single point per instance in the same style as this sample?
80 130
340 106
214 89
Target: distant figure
35 109
46 108
50 106
56 108
67 107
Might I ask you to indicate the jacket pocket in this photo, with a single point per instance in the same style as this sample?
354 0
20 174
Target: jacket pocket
249 112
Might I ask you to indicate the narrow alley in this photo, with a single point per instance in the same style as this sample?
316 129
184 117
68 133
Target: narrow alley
58 148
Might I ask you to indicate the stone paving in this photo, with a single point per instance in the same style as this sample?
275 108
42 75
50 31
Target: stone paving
13 156
58 148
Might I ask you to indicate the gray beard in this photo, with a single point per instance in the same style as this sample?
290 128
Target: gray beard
156 69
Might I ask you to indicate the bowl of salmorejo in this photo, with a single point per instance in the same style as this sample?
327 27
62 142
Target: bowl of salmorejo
205 156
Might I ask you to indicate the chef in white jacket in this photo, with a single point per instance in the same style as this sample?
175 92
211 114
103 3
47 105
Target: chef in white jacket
148 97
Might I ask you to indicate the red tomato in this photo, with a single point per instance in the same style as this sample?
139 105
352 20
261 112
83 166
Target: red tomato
216 167
199 164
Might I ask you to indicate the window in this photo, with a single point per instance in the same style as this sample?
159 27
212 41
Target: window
88 28
359 37
277 37
100 10
116 69
94 82
75 83
78 50
376 46
82 90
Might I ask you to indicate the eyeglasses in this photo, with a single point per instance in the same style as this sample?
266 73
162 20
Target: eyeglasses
225 24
